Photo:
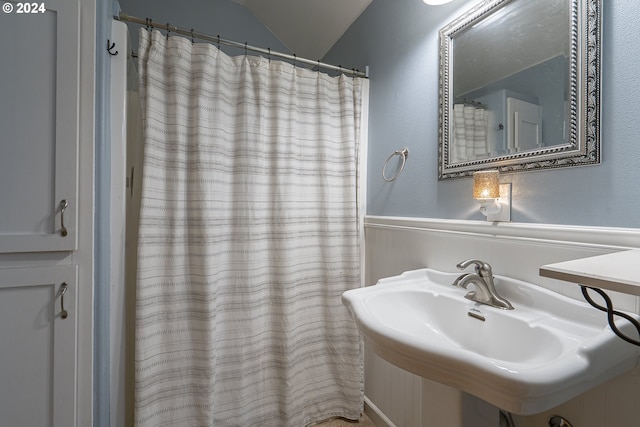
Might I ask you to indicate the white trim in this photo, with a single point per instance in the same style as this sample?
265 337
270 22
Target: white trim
608 238
119 350
84 256
362 175
376 415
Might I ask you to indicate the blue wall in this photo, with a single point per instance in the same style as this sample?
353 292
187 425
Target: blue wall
398 40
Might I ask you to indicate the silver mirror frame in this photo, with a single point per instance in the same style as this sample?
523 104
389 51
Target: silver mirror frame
584 84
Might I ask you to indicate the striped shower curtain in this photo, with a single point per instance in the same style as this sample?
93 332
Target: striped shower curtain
249 234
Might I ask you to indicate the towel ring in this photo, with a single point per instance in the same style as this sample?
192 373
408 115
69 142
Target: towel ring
404 153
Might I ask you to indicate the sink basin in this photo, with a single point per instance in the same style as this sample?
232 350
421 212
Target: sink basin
547 350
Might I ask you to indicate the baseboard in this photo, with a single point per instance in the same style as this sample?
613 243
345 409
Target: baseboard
376 415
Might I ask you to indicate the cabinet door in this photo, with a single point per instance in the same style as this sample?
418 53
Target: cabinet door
39 120
38 350
526 130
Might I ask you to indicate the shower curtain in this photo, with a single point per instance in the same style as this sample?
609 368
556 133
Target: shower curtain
249 234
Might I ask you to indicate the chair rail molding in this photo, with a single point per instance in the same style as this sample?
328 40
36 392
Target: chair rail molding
605 238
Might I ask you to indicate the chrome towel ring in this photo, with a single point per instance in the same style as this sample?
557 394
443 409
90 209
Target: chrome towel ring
404 153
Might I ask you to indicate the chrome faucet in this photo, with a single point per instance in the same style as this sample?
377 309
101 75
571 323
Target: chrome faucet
485 291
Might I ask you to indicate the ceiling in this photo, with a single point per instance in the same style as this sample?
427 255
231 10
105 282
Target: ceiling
309 28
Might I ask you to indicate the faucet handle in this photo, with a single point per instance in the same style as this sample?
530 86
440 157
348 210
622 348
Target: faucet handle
482 268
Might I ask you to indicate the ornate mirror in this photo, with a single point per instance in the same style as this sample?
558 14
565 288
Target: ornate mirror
520 87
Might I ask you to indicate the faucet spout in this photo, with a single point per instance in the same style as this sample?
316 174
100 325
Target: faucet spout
485 291
481 293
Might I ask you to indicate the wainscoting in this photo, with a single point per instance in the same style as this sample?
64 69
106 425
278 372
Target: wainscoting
394 245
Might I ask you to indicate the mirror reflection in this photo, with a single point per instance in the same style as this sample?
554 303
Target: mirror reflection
519 86
511 96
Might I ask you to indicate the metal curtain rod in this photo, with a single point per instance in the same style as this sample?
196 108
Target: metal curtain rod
195 34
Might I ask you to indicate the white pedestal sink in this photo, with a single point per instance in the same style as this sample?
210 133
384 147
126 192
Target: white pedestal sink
547 350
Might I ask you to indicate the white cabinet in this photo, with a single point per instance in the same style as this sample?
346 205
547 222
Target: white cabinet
46 109
514 122
525 125
39 120
38 350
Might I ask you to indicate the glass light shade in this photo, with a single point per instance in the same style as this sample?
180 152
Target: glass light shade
436 2
486 184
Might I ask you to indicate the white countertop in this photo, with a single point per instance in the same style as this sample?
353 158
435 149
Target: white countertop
619 271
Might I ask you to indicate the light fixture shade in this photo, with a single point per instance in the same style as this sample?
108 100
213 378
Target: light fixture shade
436 2
486 184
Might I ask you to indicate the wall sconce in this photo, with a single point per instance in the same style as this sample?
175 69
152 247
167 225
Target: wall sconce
436 2
494 198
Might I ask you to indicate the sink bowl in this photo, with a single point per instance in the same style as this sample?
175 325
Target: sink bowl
547 350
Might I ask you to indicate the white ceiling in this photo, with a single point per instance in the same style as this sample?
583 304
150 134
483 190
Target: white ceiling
309 28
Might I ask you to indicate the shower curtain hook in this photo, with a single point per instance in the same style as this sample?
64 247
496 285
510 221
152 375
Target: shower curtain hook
218 41
168 31
294 59
151 23
245 48
269 55
146 23
192 36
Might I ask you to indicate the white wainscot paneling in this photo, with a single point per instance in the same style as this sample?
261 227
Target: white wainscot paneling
394 245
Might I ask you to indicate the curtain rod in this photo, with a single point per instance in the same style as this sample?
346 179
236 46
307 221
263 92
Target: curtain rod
195 34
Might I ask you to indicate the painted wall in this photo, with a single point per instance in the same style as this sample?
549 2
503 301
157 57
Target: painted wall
398 40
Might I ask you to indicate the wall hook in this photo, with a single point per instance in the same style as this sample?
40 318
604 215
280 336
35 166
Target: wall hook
110 47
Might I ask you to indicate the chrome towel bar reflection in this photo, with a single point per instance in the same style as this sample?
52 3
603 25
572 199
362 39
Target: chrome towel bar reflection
404 153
